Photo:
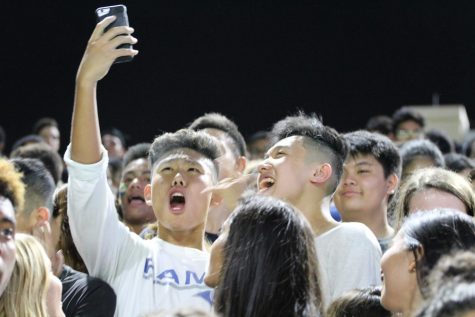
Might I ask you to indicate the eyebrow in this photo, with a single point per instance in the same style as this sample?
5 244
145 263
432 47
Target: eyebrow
7 219
275 149
364 163
134 172
178 158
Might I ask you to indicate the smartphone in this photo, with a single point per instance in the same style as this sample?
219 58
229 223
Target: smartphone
120 12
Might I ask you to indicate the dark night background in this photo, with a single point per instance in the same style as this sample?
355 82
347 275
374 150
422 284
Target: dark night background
255 61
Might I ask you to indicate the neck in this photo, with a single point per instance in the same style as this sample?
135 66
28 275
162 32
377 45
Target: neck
136 228
216 217
193 238
376 220
317 213
414 305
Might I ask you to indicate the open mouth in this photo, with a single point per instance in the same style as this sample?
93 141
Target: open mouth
136 200
177 201
266 183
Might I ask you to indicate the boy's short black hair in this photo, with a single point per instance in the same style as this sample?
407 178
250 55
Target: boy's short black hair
458 162
415 148
442 140
381 124
50 158
377 145
117 133
467 146
197 141
43 123
326 140
136 152
406 114
364 302
220 122
39 184
27 139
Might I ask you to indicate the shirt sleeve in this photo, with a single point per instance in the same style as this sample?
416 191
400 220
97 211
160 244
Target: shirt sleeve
104 243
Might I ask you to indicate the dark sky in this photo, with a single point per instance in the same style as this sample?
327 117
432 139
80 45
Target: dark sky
255 61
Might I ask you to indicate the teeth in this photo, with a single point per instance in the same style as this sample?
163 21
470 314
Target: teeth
178 195
267 182
136 198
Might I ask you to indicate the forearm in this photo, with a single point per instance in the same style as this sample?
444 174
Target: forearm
100 53
85 132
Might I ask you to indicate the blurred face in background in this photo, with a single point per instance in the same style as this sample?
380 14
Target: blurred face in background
50 134
7 242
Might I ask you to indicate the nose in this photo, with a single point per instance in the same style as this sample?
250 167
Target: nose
263 167
136 183
348 180
178 180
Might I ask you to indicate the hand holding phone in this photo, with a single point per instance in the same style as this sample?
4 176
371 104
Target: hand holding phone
120 12
102 50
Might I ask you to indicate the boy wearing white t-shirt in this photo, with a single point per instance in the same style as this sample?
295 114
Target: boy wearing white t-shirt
163 273
303 167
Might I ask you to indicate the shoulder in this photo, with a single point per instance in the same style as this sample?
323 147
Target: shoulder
356 229
351 234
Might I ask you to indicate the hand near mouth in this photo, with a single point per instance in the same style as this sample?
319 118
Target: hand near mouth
230 189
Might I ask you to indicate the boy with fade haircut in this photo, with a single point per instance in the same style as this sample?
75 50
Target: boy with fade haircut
81 293
166 272
232 162
12 191
370 175
39 190
303 167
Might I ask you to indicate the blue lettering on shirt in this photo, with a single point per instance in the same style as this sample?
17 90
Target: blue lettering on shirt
171 277
168 275
206 295
146 269
198 280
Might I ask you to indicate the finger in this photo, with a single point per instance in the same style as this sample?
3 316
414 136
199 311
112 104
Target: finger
47 227
118 30
125 52
38 231
122 39
58 263
224 184
99 29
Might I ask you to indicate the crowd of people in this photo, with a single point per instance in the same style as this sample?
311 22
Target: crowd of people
299 221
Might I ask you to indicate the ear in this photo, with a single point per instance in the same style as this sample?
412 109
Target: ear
391 183
40 215
321 173
241 164
147 193
413 263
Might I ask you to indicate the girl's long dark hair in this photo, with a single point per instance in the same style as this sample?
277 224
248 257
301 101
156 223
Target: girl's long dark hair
438 232
270 264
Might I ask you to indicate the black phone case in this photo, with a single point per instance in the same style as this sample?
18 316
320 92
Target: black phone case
120 11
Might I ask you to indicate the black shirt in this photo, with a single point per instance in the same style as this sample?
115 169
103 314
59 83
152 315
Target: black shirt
84 295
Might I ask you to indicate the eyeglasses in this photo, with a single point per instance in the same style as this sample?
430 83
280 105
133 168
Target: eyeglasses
408 134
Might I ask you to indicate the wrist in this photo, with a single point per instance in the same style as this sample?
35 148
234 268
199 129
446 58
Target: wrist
84 82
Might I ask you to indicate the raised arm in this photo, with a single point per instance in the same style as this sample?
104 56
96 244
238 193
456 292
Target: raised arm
100 53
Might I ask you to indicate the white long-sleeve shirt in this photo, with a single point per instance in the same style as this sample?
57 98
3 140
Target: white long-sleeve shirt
147 275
